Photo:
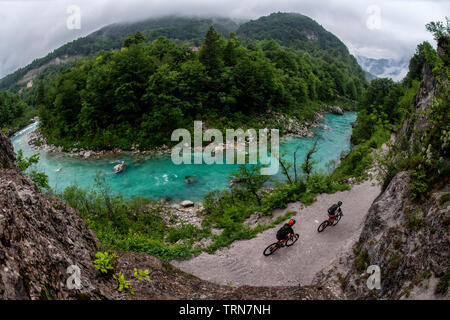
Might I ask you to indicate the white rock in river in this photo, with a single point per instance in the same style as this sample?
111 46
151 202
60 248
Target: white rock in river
119 168
186 203
336 110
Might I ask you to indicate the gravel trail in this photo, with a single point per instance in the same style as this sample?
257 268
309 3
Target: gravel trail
244 264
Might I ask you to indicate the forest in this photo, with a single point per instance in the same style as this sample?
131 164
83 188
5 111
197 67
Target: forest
139 94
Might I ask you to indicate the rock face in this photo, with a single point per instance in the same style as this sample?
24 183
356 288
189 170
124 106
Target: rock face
409 243
408 240
40 238
7 157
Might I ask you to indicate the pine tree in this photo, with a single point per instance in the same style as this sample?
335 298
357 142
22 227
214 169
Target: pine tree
209 56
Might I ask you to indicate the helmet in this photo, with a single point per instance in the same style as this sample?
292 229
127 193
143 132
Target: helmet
339 203
291 222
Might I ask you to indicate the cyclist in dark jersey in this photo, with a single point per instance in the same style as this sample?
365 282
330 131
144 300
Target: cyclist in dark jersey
334 210
285 231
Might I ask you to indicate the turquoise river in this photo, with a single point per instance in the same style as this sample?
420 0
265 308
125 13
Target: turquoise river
157 177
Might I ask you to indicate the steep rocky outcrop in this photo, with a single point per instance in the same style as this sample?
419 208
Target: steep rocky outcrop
7 157
408 240
40 237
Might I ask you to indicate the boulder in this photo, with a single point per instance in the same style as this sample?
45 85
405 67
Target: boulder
119 168
186 203
190 179
336 110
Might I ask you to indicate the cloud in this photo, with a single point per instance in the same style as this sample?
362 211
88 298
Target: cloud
30 29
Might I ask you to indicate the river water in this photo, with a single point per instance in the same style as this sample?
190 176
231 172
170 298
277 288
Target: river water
158 177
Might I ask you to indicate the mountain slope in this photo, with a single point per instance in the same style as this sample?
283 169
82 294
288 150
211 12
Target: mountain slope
112 37
301 32
385 68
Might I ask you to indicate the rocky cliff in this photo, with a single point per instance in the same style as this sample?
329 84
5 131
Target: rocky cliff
408 240
40 237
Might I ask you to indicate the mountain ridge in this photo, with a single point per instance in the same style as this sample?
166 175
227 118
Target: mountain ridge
192 30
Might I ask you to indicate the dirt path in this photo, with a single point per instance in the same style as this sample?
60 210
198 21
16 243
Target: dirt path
244 264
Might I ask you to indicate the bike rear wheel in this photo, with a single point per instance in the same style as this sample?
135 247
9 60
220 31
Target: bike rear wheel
293 239
271 249
335 222
322 226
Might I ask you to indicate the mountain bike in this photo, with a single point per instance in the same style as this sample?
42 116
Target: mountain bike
281 243
330 222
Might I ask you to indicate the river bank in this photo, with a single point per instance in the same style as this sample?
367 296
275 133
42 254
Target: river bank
157 177
292 126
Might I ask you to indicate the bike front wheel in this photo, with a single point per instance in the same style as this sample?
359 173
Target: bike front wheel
322 226
293 239
271 249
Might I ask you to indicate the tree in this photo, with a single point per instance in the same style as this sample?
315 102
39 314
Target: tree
308 165
250 179
135 38
209 55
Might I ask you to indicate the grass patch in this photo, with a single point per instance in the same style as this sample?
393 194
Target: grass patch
362 260
442 286
416 221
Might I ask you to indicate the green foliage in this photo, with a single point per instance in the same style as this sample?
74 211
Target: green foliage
444 199
415 221
141 274
427 158
187 231
105 262
135 38
14 113
336 72
141 93
416 64
124 285
40 178
442 286
362 260
418 185
112 37
250 179
355 164
283 195
126 224
308 164
323 183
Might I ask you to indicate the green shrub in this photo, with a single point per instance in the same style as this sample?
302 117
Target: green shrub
142 274
124 285
444 198
105 262
362 260
415 221
418 185
442 286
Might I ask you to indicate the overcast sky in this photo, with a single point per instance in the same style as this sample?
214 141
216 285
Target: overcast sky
30 29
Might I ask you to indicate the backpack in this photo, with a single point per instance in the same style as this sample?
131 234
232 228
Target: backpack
283 232
332 209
